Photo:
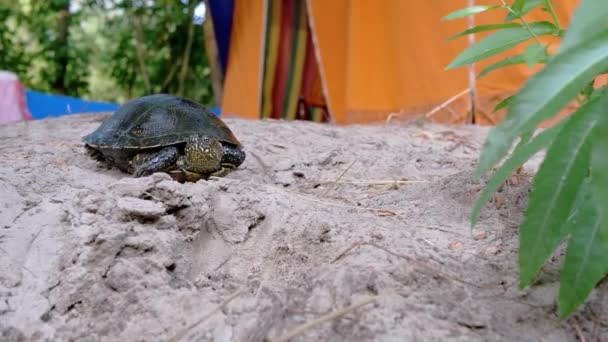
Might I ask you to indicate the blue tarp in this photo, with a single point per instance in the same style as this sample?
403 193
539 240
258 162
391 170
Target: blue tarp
43 105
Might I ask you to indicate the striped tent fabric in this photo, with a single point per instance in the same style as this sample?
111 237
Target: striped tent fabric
291 86
376 58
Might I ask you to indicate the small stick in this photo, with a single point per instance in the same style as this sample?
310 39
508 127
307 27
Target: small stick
186 330
353 246
331 316
579 331
375 182
390 117
338 179
386 211
265 167
436 109
420 263
441 230
22 266
446 103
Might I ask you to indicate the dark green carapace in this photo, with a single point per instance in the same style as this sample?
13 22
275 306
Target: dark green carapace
165 133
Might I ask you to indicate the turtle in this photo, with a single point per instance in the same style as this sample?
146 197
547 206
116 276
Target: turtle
166 133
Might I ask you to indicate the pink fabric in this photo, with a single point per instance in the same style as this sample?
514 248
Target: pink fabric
13 106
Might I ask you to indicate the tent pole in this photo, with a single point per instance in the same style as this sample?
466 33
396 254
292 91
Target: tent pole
472 79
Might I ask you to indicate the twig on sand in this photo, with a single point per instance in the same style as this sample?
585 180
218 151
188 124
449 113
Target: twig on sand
390 117
338 179
22 266
265 167
375 182
27 208
378 210
438 228
346 251
446 103
579 331
434 110
325 318
187 330
418 262
381 211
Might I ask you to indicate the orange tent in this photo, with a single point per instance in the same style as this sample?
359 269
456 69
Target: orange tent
369 59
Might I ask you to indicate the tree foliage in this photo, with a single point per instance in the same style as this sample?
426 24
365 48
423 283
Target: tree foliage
106 49
570 191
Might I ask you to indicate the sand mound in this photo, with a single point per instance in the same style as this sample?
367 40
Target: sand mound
88 253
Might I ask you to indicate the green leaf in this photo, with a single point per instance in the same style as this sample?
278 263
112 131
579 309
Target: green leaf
589 20
465 12
499 42
522 7
524 151
599 162
586 261
518 5
534 54
513 60
554 191
504 103
589 89
544 94
484 28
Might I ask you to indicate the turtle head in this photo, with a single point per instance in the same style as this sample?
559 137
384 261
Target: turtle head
203 155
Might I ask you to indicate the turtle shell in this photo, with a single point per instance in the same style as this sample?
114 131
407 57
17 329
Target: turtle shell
158 120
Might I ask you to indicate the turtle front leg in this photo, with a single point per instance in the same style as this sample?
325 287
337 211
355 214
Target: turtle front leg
181 175
232 157
146 163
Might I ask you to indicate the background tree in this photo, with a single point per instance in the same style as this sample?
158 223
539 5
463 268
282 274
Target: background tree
108 50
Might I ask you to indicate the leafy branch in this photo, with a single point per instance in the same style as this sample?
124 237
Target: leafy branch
570 189
523 21
549 7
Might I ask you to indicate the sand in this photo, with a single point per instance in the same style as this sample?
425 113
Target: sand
90 254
